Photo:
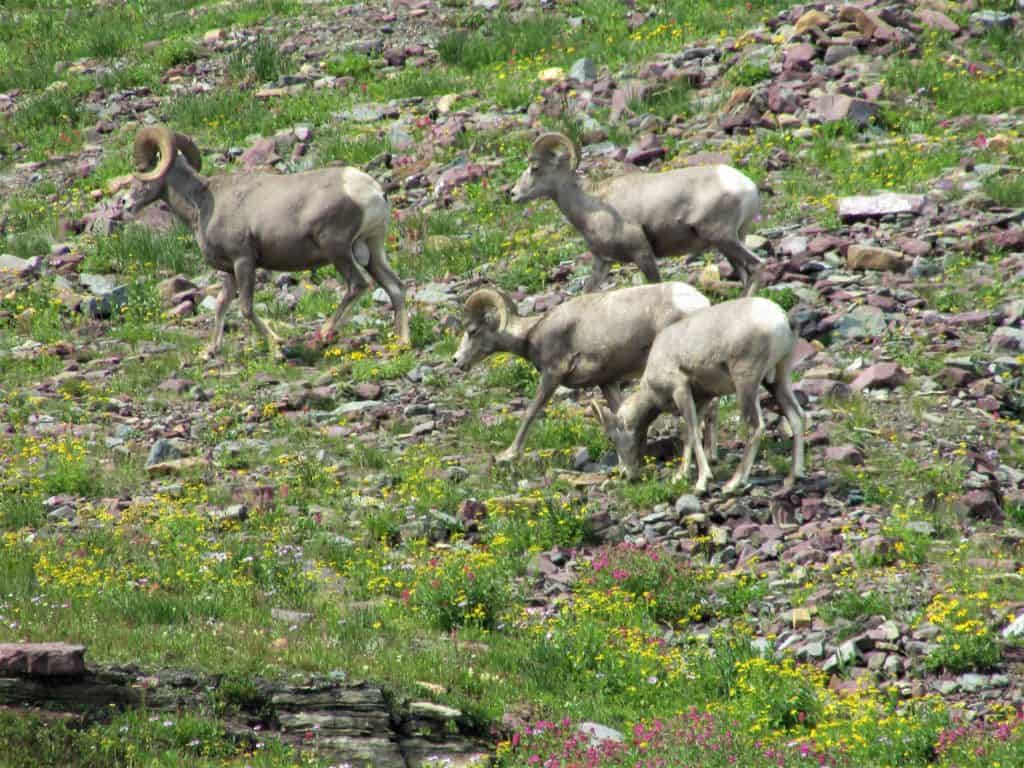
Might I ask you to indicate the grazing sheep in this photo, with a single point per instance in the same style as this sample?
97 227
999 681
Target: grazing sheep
594 340
731 347
640 217
290 223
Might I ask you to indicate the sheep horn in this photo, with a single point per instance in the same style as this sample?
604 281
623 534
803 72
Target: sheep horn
546 143
488 299
188 148
151 141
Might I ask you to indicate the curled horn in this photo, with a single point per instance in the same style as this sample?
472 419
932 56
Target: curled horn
188 148
151 141
488 299
546 143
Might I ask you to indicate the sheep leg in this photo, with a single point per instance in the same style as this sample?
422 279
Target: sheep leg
245 275
750 408
682 396
613 395
355 287
707 416
597 274
228 289
783 393
709 420
744 261
545 389
382 272
648 264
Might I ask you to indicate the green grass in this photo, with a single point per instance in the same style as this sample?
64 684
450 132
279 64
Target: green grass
416 554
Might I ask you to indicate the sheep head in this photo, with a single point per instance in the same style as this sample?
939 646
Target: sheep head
152 142
627 446
552 158
487 314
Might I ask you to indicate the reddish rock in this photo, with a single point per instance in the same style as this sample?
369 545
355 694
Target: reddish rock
783 99
1005 239
981 505
837 106
868 24
874 258
954 378
177 386
457 176
823 243
367 390
262 152
172 286
880 376
42 659
799 57
183 309
844 454
937 20
861 207
822 388
913 247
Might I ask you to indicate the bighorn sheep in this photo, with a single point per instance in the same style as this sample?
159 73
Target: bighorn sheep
592 340
639 217
730 347
290 223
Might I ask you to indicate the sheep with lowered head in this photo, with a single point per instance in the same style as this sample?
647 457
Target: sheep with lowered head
640 217
289 223
594 340
729 348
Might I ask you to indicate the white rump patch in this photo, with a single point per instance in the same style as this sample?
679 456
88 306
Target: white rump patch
734 182
688 299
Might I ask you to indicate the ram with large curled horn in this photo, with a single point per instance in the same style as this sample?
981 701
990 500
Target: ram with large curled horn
641 217
279 222
594 340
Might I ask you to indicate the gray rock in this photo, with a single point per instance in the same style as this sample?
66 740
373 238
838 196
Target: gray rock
687 505
1015 628
971 682
434 293
364 113
989 19
231 513
400 139
837 106
598 733
1007 339
581 458
921 527
354 406
291 617
162 450
862 322
837 53
924 268
583 69
13 265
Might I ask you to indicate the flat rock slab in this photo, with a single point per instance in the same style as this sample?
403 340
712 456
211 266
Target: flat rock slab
861 207
42 659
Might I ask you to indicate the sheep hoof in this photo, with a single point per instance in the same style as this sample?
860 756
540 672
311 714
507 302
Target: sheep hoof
734 488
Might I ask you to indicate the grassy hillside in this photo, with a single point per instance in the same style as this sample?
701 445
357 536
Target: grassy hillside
339 515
